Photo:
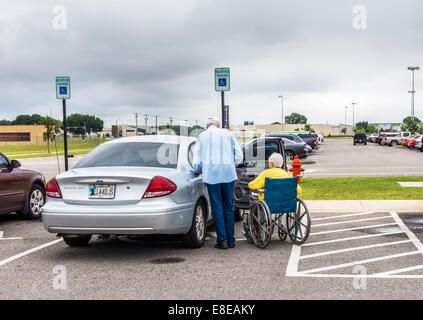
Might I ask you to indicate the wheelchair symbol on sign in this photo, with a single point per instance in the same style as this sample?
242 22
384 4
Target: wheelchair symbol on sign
222 82
63 90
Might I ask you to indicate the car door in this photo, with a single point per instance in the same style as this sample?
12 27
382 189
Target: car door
11 187
256 156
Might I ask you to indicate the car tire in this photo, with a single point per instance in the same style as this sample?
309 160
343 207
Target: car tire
80 240
394 143
365 143
34 203
290 155
197 234
238 214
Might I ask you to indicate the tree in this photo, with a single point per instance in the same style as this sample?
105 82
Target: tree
362 125
5 122
344 130
409 118
308 127
49 124
371 129
295 118
83 123
276 122
410 125
26 119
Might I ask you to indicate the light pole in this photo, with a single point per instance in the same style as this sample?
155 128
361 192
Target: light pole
346 120
412 69
281 96
353 105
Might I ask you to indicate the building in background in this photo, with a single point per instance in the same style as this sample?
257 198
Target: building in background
387 126
22 135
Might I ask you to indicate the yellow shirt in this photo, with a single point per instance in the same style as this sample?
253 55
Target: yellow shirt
258 183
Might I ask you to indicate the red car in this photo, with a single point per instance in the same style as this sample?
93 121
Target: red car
412 143
21 190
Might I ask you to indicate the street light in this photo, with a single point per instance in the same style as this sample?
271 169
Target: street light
280 96
353 105
346 119
412 69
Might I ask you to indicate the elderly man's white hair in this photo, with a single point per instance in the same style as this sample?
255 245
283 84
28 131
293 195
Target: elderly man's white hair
276 159
212 121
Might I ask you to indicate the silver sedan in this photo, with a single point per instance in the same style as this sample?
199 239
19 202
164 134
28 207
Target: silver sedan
130 186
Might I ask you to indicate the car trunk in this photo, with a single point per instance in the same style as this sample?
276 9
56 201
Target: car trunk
129 184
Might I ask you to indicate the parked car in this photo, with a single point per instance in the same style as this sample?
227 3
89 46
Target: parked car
310 139
21 190
415 141
130 186
393 140
320 139
256 156
371 137
419 144
379 138
294 145
359 138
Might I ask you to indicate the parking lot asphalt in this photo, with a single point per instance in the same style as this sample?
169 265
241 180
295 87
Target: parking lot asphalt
340 158
370 255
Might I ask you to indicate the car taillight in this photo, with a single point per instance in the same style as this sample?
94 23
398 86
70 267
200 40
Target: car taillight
53 190
314 140
159 187
304 146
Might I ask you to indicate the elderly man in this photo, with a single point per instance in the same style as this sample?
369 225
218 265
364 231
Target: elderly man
217 154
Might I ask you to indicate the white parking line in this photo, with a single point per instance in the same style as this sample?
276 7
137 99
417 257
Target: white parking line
354 263
351 238
349 221
387 273
325 253
341 216
22 254
13 238
351 229
295 258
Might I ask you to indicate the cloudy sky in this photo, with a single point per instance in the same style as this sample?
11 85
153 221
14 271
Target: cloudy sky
158 57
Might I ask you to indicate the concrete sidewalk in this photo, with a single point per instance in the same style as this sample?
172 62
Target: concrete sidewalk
364 205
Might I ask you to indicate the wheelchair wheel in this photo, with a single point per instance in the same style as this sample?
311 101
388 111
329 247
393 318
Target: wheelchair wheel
260 223
298 223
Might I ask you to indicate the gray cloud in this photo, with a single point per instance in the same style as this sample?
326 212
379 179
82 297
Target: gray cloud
158 57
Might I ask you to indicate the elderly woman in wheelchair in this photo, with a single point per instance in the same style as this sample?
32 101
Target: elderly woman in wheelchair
277 199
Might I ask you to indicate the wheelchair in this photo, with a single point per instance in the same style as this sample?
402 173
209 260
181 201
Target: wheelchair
280 200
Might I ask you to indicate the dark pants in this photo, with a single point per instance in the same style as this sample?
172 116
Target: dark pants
222 211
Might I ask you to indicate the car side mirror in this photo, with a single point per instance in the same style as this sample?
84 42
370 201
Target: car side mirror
15 164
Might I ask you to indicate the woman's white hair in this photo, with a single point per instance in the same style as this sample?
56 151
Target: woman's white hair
276 159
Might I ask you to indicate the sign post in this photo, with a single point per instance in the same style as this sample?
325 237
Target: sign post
222 84
63 92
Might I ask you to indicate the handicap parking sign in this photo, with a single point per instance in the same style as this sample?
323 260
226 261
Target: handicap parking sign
63 90
222 79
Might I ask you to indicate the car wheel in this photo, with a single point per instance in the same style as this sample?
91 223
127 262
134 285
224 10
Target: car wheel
34 203
394 143
238 214
77 241
290 155
197 234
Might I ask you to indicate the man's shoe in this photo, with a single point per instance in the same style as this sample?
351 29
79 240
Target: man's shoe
232 245
222 245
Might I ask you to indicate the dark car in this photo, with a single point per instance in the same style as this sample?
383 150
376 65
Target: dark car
21 190
379 138
360 138
256 156
310 139
293 145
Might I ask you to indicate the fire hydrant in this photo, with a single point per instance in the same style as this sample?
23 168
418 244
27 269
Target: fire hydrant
296 168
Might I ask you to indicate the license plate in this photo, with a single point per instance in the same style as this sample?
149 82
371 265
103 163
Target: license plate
102 191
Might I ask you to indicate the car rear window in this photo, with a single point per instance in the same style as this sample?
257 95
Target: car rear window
132 154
